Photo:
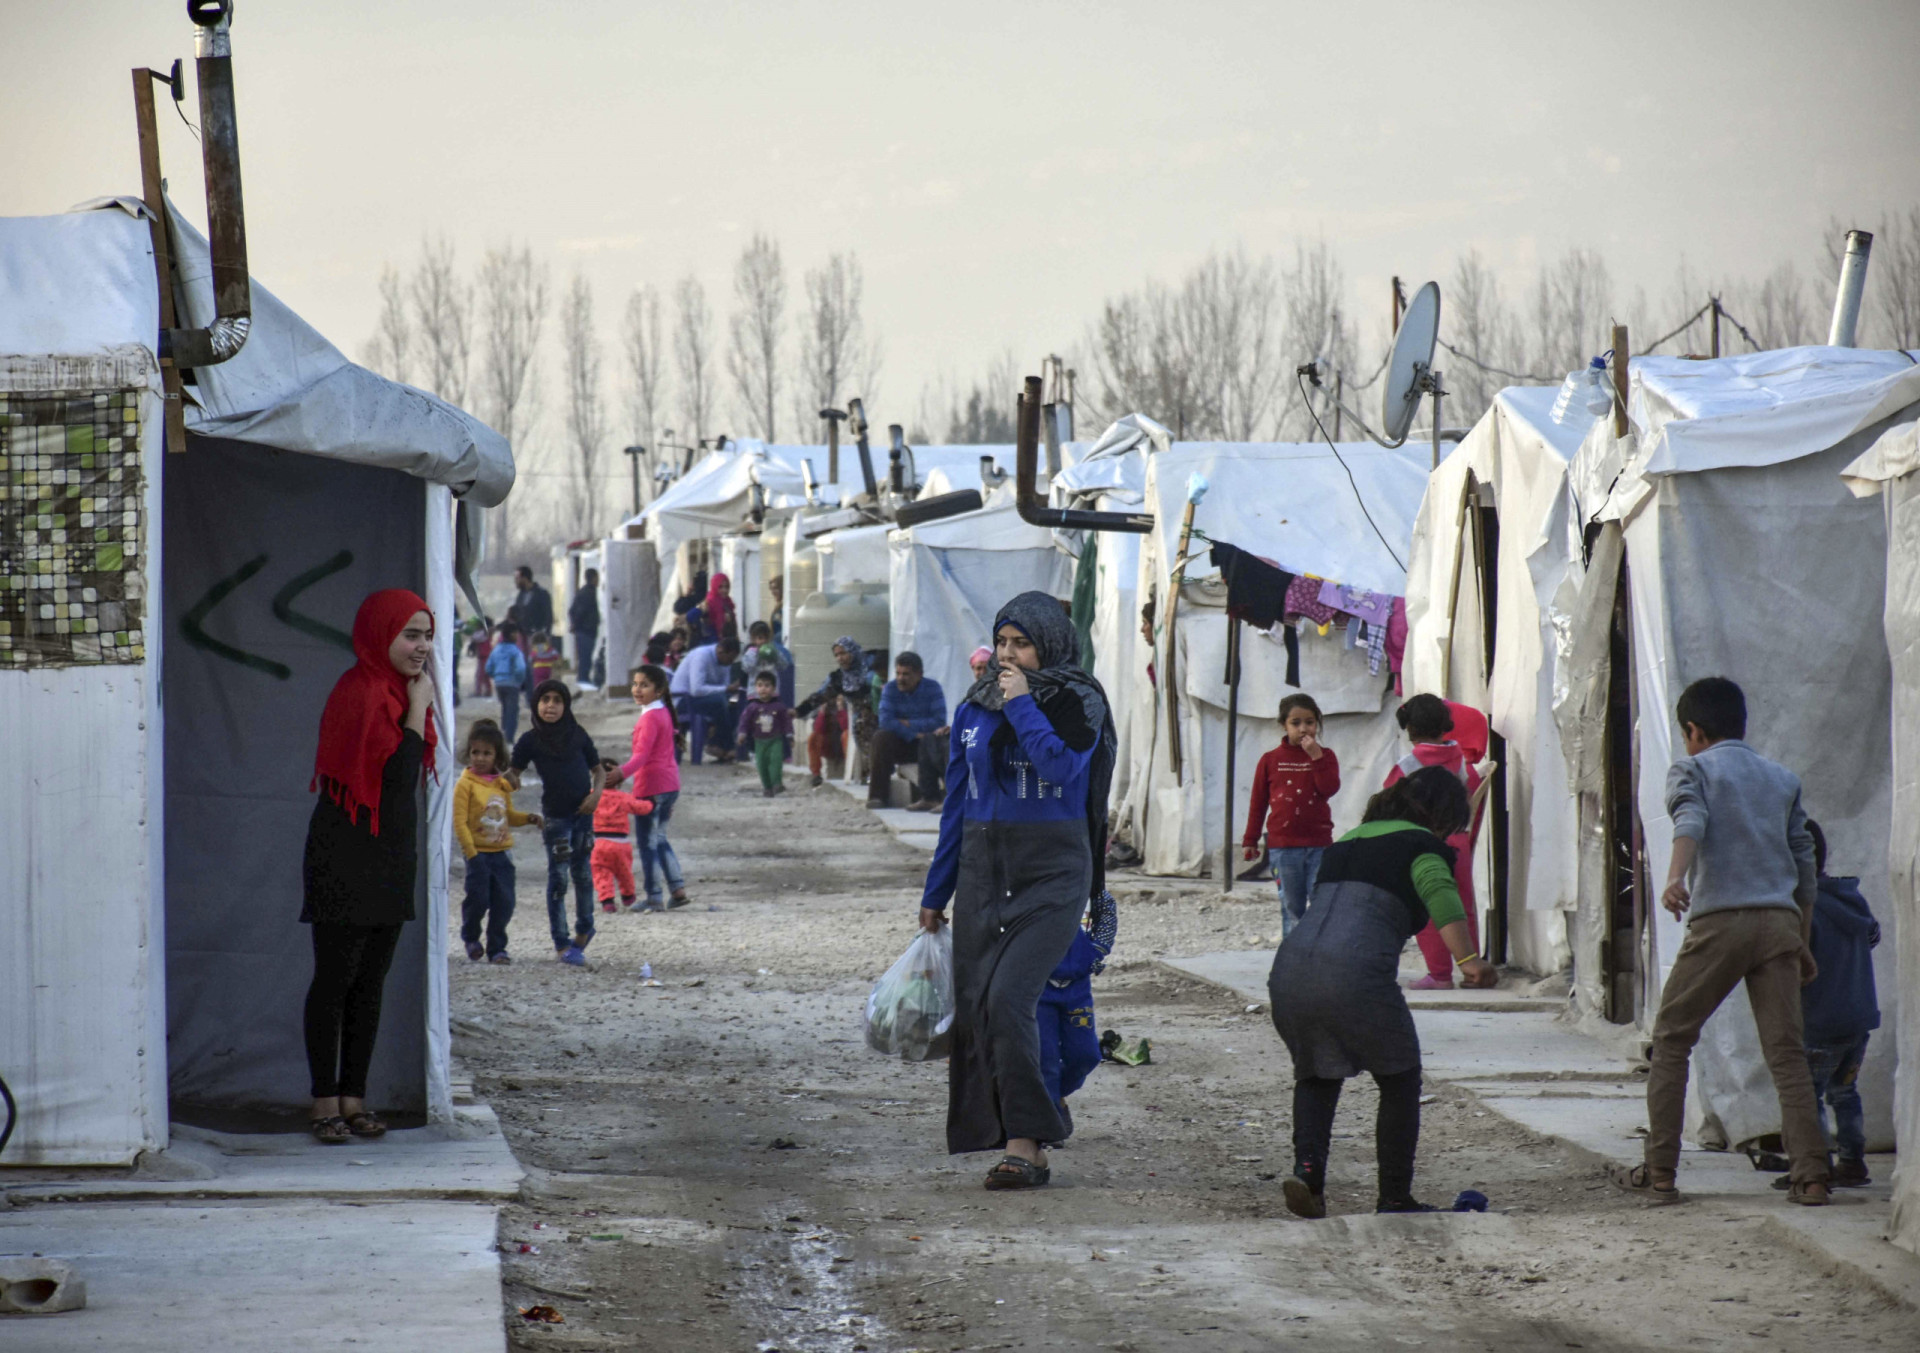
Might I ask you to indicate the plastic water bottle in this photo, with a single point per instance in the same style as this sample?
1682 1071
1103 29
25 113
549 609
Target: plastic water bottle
1586 389
646 972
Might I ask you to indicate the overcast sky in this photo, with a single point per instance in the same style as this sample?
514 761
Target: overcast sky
999 169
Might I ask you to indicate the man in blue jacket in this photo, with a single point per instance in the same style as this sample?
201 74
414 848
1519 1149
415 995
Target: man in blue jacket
913 727
1841 1009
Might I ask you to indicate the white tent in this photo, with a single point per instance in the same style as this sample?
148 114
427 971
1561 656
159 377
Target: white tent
949 577
162 713
1295 505
1714 539
1494 522
1891 466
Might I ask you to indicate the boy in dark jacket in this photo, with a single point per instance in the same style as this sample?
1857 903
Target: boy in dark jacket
766 721
1841 1009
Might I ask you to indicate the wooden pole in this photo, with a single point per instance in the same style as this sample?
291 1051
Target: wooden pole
1620 380
1453 586
151 192
1167 674
1716 326
1233 732
1339 393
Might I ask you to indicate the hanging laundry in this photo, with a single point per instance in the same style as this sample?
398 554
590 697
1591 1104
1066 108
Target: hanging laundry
1257 589
1376 639
1303 599
1371 606
1397 640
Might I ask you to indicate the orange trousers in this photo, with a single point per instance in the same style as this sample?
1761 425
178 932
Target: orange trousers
612 869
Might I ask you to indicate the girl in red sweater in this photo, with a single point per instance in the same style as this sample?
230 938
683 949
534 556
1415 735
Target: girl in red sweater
1290 793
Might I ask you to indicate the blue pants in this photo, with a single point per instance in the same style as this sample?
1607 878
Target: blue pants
1069 1044
657 859
489 896
719 716
509 711
1294 868
1836 1073
569 842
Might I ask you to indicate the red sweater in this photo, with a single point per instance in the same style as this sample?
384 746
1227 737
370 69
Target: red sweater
1290 792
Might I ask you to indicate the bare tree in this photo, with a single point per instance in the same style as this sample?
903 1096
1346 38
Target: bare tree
645 352
1570 312
693 356
836 361
1315 290
586 403
1779 312
1478 322
1896 257
513 309
390 350
754 332
443 317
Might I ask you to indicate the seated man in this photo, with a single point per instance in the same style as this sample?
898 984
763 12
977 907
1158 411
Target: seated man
913 727
702 685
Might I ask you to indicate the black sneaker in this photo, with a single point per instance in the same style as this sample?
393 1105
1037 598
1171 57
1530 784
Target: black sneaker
1302 1201
1403 1205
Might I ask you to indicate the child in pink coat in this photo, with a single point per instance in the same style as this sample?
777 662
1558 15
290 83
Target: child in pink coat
655 776
1430 722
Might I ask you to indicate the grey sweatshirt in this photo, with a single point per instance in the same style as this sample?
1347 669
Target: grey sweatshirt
1744 810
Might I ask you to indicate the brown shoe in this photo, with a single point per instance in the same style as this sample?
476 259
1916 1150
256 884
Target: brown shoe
1813 1193
1643 1182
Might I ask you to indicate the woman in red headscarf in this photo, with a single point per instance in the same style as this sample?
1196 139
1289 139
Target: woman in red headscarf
361 864
721 616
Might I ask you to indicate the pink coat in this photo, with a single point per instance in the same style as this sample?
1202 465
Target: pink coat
652 768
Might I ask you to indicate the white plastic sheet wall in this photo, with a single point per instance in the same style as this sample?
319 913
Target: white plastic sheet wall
1902 622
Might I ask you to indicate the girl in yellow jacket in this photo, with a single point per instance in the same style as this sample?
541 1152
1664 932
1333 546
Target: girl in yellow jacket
484 818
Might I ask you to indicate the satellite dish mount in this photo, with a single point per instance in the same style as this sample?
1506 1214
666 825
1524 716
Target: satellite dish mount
1409 373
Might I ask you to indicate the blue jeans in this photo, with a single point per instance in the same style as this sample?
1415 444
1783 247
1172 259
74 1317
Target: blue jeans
569 842
509 711
1069 1044
489 897
1836 1073
1294 868
656 852
719 716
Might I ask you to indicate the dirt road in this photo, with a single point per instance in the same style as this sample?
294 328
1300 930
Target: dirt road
718 1162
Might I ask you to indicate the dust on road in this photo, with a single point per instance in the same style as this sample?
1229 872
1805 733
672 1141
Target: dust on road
719 1162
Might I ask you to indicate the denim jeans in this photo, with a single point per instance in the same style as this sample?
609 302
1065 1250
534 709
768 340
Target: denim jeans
1836 1073
569 842
489 898
509 712
1294 868
656 852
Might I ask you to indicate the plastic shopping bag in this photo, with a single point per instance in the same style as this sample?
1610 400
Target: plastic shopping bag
911 1009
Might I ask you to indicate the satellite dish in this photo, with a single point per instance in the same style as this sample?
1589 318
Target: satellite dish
1408 367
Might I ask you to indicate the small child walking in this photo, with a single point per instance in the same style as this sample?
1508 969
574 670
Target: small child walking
612 851
506 669
1430 723
1069 1042
570 780
767 720
483 819
1743 875
1291 787
543 657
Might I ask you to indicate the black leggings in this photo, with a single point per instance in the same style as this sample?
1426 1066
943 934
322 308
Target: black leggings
343 1005
1396 1132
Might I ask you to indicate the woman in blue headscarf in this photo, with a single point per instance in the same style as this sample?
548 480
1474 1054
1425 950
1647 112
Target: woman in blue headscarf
1022 848
849 684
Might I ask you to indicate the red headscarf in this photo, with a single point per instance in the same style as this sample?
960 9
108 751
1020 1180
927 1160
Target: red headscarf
719 608
360 728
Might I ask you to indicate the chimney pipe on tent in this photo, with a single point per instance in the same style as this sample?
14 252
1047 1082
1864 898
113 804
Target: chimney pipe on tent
1033 508
834 418
1853 281
226 221
857 419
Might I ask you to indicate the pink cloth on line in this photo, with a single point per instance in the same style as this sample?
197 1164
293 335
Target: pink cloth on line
1397 640
1303 599
652 769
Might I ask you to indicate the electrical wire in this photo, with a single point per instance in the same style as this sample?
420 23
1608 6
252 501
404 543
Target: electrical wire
1489 368
1679 329
13 1112
1358 497
1741 327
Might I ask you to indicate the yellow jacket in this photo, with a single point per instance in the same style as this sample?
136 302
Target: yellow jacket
484 816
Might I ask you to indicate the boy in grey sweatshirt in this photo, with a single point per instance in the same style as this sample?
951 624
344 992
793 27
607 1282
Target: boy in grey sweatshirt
1743 874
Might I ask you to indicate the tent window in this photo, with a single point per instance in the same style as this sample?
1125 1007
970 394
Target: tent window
72 530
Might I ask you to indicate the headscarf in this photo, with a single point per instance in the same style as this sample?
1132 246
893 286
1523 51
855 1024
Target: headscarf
1073 701
851 679
554 739
719 608
360 727
980 654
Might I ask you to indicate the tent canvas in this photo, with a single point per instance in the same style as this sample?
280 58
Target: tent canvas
301 488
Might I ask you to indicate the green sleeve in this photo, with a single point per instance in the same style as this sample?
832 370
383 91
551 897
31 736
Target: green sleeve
1434 882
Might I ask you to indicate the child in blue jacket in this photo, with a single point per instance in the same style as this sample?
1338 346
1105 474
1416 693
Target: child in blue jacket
1069 1043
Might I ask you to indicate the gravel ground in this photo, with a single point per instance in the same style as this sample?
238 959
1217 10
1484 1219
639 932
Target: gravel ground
718 1162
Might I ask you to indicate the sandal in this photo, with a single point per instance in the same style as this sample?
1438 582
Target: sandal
329 1131
1013 1172
364 1124
1813 1193
1638 1179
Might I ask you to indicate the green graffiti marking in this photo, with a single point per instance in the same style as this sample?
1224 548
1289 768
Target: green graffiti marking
191 623
283 602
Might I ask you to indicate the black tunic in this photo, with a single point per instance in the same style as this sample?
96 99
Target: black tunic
353 877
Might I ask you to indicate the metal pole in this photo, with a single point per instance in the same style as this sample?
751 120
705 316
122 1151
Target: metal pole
1716 327
1438 394
1233 732
1620 354
1339 388
1853 280
1168 675
175 418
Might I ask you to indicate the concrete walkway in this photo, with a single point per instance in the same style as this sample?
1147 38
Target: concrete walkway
1525 1063
272 1240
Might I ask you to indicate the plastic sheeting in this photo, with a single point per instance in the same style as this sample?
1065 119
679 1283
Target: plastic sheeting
949 577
